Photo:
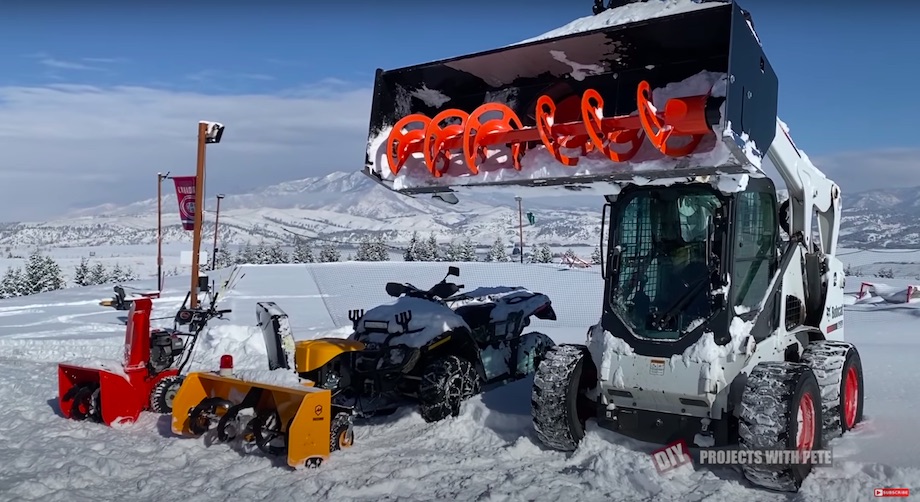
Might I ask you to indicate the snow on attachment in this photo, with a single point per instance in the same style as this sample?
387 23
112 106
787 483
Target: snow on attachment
685 94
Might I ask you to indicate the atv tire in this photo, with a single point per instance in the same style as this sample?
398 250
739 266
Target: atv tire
775 395
446 383
560 407
163 393
838 368
341 434
531 351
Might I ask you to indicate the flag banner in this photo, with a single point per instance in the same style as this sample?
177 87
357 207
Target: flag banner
185 194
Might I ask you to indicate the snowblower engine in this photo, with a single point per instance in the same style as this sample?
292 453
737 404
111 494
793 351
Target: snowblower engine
165 347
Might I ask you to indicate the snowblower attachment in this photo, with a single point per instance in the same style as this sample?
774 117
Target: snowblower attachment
298 422
112 392
686 94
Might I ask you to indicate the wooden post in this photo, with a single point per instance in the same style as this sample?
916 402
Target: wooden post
199 213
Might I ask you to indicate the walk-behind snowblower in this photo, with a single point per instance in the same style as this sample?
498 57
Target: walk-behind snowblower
714 329
149 374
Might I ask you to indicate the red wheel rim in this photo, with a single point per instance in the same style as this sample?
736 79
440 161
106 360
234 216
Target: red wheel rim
851 397
806 421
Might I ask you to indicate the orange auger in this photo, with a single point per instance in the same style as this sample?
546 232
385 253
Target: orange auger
469 135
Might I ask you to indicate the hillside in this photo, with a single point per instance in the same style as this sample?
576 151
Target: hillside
343 207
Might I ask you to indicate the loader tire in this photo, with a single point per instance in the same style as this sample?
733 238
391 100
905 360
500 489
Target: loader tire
446 383
774 397
209 410
163 393
838 368
341 434
560 407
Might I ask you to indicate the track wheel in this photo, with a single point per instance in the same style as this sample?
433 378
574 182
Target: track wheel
838 368
208 411
341 433
446 383
163 393
560 407
780 410
266 428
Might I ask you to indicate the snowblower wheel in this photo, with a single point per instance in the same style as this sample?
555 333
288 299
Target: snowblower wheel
780 409
208 410
163 393
838 368
560 406
266 428
446 383
342 435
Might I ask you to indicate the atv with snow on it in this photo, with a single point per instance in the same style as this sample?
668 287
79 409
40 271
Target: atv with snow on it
432 347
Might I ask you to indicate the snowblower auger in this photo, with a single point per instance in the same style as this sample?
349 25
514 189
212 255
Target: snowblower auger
298 422
688 94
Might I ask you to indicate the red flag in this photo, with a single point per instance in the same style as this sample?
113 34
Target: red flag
185 194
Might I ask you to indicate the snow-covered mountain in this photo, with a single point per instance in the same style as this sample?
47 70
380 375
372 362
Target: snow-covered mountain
340 206
343 207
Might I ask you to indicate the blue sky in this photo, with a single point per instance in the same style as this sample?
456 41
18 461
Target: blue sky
847 74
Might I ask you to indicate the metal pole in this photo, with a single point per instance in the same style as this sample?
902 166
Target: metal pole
199 213
160 232
521 226
216 217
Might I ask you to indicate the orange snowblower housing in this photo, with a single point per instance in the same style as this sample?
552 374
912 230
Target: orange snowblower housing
689 94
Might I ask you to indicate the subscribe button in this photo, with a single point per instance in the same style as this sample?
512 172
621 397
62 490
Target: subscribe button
892 492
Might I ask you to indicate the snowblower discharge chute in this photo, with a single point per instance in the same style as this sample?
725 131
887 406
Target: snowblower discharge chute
644 96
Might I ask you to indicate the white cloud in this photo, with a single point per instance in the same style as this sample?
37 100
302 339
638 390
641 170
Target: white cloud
67 146
857 171
65 65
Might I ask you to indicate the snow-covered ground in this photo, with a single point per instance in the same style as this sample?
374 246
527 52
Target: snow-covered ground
489 452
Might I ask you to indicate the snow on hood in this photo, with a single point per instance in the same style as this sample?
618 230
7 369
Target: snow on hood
429 320
626 14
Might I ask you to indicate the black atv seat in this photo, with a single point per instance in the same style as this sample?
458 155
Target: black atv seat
476 315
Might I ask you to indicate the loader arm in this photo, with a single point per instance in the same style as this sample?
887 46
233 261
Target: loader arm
811 193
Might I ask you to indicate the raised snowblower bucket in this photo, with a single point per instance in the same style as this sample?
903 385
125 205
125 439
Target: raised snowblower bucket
687 93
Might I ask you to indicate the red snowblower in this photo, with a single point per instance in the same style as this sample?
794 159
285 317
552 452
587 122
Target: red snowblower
147 378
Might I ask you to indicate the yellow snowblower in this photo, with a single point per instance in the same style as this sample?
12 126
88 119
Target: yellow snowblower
296 420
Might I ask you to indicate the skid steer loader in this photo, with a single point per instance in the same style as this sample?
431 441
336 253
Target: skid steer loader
715 330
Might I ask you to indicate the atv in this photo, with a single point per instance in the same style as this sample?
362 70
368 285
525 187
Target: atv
433 347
